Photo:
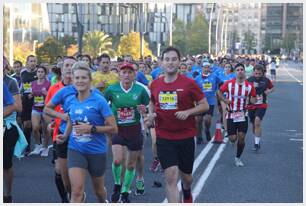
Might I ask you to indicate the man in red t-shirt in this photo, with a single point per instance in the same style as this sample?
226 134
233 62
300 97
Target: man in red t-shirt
238 91
175 99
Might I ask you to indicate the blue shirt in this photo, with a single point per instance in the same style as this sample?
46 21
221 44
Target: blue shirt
208 85
196 68
93 110
64 97
140 77
7 97
156 72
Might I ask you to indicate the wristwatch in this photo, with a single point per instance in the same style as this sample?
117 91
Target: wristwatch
93 129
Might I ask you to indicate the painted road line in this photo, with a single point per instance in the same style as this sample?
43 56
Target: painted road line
197 162
298 140
201 182
292 75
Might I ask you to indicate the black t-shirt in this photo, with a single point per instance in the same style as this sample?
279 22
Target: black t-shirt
26 79
12 84
261 85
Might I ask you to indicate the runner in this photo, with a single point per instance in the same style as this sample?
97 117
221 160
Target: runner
238 90
57 111
208 82
273 69
89 119
263 87
172 98
103 77
39 90
28 75
17 66
125 98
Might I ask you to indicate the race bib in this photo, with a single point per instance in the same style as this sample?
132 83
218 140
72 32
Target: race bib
27 88
238 116
81 138
126 115
207 86
168 100
259 99
39 101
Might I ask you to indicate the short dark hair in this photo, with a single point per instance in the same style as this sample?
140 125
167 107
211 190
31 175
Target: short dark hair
86 55
18 62
42 67
31 55
239 65
104 55
69 57
169 49
259 67
224 58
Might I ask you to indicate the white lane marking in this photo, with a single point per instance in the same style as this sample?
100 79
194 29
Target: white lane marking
197 162
291 130
201 182
292 75
298 140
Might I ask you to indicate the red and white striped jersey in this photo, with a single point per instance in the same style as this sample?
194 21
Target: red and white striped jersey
238 94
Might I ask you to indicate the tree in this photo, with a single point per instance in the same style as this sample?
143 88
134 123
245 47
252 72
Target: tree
72 50
197 38
67 40
49 50
97 42
130 44
288 42
179 37
22 50
249 40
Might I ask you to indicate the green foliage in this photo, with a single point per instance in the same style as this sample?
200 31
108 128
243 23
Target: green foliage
49 50
97 42
67 41
192 38
288 42
249 40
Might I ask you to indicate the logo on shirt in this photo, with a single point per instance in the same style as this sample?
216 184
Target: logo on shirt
135 96
78 111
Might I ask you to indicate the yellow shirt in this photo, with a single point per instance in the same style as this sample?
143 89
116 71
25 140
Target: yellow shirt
110 78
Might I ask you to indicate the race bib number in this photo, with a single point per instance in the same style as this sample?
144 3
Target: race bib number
27 88
168 100
39 101
207 86
126 115
259 99
238 116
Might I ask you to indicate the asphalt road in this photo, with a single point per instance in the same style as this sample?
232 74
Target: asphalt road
272 175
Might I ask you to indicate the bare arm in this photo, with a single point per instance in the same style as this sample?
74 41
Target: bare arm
18 104
201 107
9 110
49 110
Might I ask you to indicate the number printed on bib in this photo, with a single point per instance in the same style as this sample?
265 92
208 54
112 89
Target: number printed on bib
259 99
39 101
168 100
238 116
126 115
207 86
27 87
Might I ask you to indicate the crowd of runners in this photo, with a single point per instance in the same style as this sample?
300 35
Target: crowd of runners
81 107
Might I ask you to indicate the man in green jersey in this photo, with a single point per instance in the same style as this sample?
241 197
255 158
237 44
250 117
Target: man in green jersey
126 97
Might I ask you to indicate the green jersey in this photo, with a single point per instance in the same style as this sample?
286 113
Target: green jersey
124 102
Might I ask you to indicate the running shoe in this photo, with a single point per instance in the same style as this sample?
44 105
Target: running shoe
124 198
256 147
139 188
37 149
116 193
45 152
238 162
155 165
188 200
